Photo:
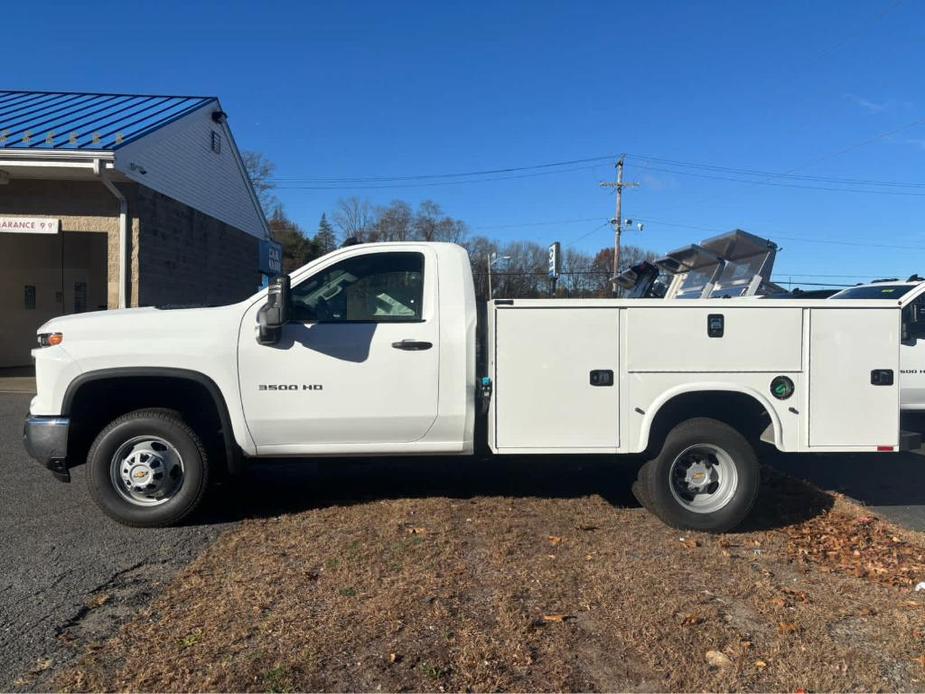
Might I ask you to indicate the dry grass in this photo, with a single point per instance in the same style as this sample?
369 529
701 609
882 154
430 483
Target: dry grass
532 594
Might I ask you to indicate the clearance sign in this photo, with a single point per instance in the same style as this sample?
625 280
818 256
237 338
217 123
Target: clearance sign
29 225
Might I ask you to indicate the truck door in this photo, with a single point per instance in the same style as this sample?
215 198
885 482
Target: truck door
358 361
854 377
912 356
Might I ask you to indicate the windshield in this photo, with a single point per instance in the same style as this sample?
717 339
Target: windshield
738 275
874 291
695 280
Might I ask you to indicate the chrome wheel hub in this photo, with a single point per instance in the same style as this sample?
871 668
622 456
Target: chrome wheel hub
147 470
703 478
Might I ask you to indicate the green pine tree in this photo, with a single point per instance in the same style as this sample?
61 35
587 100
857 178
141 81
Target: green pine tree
325 240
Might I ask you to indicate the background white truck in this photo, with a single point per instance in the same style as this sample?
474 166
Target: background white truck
372 350
912 351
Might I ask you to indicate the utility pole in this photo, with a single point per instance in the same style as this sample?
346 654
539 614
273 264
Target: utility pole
617 221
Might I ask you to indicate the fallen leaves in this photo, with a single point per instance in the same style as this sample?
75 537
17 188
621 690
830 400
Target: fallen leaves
863 546
554 540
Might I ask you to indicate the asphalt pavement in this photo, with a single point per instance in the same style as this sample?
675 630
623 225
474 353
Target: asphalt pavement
69 575
891 484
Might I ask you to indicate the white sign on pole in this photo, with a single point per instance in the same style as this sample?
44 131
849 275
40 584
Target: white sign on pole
29 225
555 260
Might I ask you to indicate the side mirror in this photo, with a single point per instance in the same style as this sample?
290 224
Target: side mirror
273 315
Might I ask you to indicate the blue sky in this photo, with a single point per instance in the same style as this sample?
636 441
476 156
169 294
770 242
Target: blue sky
388 89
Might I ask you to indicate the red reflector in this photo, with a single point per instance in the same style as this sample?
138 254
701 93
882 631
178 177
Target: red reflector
884 448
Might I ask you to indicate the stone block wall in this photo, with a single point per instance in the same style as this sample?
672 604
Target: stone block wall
188 257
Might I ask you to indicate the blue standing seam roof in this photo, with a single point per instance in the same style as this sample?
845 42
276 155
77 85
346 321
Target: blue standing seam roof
82 121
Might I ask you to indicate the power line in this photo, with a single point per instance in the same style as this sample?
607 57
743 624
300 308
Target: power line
607 273
773 174
535 224
483 172
584 236
787 179
364 186
863 30
778 184
799 239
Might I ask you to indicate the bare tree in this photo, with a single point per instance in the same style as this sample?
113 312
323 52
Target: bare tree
575 280
355 218
427 220
520 272
260 170
395 222
480 250
432 224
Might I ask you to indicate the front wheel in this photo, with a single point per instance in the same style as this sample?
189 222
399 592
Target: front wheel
705 477
147 468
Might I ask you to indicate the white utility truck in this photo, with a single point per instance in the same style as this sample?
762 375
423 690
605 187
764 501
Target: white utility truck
912 351
372 351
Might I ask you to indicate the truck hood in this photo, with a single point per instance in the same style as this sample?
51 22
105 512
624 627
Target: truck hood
200 339
152 319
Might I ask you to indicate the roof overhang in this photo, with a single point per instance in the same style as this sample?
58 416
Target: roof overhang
56 165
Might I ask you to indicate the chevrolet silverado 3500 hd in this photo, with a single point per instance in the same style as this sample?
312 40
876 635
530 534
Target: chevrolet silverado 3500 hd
371 350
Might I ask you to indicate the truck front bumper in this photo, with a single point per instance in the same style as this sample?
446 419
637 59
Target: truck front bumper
45 439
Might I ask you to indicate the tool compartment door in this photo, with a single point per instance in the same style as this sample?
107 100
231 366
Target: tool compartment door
846 407
544 397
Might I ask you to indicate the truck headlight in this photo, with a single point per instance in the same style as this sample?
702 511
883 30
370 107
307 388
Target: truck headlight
49 339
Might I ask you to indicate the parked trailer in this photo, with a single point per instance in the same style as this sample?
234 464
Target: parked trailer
371 351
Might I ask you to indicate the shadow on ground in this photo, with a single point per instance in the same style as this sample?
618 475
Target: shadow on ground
271 488
875 479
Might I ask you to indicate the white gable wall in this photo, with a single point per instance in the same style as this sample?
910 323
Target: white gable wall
178 161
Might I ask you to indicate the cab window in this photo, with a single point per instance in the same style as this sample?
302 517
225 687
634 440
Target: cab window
914 320
378 287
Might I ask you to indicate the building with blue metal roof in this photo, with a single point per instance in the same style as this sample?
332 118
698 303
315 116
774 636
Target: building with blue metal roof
119 200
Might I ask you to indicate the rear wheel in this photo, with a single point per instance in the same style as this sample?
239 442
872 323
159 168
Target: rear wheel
705 477
147 468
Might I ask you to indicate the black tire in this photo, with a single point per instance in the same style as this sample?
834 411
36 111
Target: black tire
163 424
653 487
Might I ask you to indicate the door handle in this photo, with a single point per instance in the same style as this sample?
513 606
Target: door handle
412 345
881 377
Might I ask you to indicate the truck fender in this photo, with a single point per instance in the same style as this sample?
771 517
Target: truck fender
232 452
709 387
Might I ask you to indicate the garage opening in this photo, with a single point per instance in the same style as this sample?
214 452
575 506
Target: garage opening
43 276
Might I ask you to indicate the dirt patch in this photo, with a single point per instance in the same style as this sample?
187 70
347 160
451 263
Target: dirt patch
532 594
